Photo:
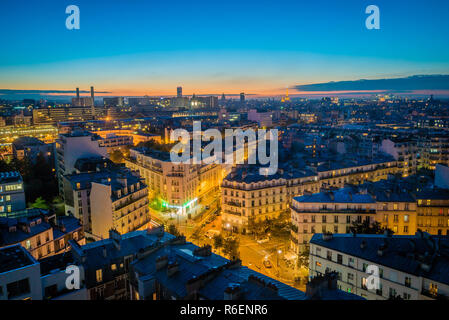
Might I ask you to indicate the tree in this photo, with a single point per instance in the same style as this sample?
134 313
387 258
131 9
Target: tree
116 156
231 248
303 258
366 228
218 242
173 230
40 203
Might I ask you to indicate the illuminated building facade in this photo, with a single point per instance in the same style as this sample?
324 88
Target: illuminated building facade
248 197
12 193
119 202
325 212
433 211
178 186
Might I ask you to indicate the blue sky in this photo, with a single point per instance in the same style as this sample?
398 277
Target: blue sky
137 46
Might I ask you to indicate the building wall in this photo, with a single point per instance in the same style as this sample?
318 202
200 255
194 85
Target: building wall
390 279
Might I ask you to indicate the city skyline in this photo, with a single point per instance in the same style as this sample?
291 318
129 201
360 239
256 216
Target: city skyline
227 47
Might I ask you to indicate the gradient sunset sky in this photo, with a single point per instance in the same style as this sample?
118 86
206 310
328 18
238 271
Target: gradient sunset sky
138 47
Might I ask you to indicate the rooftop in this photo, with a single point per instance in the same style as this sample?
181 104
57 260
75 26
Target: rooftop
10 177
14 257
421 255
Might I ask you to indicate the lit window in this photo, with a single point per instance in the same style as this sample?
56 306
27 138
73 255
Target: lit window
99 274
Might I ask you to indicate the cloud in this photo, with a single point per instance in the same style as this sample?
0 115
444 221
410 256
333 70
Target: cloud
412 83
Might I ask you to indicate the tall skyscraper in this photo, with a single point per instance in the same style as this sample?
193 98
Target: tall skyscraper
242 97
179 91
78 93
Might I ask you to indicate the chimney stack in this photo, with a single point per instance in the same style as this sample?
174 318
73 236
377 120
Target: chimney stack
93 101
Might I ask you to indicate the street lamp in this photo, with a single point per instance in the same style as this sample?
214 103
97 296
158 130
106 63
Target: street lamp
279 252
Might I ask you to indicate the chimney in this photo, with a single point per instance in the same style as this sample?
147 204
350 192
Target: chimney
232 292
92 95
203 251
172 268
105 252
93 101
363 244
161 262
116 238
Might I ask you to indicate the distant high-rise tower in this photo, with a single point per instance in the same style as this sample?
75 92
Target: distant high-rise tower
78 94
93 101
223 97
286 98
242 97
179 91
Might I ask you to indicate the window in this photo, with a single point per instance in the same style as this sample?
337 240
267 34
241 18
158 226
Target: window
350 276
406 218
329 255
99 274
339 259
406 296
51 291
392 293
351 262
18 288
113 267
364 267
405 229
408 281
364 282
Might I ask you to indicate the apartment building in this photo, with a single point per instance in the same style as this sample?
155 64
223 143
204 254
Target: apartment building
328 212
119 203
433 211
22 277
338 173
12 193
404 151
247 196
178 186
39 232
29 148
411 267
112 141
53 115
106 263
397 211
78 186
433 149
73 146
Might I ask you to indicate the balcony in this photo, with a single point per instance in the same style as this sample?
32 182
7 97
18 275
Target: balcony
232 212
434 295
234 204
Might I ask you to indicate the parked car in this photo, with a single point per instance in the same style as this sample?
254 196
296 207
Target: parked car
212 233
267 263
260 241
